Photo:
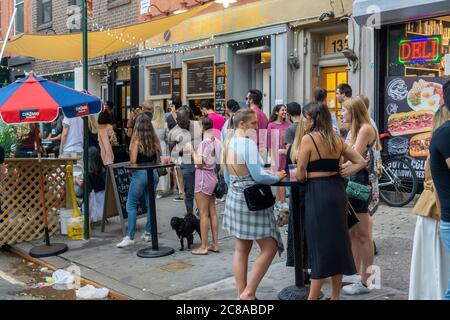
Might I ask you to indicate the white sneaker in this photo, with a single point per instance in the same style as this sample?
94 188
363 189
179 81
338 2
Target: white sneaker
355 288
125 242
146 237
284 206
278 206
351 279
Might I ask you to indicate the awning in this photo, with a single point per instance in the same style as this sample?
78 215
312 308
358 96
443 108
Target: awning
397 11
68 47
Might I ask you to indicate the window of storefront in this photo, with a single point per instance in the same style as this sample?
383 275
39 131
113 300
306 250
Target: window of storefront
200 83
415 72
19 23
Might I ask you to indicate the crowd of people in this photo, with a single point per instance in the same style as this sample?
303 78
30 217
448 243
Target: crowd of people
328 154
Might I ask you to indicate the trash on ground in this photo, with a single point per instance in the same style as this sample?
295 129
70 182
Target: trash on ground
90 292
62 277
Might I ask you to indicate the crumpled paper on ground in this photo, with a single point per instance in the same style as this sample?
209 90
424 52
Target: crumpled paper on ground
90 292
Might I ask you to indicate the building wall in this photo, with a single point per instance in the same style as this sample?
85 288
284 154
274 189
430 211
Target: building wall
102 15
7 9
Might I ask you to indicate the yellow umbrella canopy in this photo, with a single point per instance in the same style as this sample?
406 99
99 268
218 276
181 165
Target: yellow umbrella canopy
68 47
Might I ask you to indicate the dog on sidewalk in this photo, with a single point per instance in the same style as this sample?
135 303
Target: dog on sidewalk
185 227
283 218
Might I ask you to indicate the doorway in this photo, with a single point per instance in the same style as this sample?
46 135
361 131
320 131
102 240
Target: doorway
123 110
267 78
331 78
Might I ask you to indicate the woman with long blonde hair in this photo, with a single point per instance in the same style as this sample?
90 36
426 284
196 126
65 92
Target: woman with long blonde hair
363 138
243 168
162 131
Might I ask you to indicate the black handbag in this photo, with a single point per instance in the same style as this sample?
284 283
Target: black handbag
352 218
220 189
259 197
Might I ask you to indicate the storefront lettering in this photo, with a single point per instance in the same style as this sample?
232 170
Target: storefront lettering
420 50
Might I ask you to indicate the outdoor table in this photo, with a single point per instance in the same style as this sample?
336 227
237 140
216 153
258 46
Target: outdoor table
299 291
155 250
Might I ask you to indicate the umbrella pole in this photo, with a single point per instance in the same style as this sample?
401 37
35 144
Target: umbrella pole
48 249
86 127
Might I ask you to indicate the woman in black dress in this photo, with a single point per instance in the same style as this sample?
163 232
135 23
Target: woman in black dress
326 204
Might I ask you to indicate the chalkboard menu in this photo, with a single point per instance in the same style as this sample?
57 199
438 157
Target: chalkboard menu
200 77
221 87
118 181
160 78
176 82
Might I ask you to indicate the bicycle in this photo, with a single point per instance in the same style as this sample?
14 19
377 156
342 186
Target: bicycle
398 183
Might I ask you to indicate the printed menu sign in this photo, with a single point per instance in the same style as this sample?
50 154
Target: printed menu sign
200 77
410 103
221 87
176 82
160 79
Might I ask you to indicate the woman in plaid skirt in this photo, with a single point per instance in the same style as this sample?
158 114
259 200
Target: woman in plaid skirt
243 169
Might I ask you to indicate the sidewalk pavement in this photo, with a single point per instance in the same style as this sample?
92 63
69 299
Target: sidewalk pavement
183 276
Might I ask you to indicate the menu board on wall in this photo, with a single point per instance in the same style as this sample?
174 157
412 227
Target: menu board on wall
410 103
160 78
221 88
176 82
200 77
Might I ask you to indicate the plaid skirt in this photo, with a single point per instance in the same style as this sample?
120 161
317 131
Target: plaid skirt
244 224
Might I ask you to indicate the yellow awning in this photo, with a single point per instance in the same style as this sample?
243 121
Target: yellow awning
68 47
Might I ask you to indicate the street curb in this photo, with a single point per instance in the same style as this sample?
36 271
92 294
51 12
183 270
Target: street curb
19 252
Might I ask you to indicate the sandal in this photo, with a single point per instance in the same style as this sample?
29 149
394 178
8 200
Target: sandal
199 253
212 250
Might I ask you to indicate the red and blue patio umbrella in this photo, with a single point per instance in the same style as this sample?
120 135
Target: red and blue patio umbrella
34 99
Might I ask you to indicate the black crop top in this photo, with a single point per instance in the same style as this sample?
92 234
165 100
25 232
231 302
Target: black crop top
323 165
141 158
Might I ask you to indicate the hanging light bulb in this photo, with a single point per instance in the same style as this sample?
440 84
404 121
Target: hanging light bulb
225 3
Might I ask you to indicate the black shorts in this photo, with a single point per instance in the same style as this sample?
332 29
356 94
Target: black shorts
361 177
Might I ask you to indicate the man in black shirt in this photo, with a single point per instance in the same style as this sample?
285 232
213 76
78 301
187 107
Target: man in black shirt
440 171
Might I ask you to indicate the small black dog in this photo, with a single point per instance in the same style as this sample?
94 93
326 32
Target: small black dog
185 227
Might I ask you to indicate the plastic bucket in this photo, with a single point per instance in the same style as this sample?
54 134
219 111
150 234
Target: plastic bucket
64 216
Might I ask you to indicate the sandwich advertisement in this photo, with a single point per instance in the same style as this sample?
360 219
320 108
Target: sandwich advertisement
410 103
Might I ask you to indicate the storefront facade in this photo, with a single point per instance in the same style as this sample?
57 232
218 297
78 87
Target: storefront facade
262 45
412 63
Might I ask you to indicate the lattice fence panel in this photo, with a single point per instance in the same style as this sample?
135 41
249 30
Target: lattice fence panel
22 212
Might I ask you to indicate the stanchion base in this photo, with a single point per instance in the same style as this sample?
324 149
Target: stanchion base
47 251
295 293
150 253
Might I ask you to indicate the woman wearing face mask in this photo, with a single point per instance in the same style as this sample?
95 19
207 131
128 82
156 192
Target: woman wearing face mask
276 131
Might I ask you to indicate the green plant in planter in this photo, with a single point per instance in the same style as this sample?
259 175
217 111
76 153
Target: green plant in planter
10 135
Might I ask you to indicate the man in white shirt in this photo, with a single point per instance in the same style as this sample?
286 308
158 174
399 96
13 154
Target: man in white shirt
71 137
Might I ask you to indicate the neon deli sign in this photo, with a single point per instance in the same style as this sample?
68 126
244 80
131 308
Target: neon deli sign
420 50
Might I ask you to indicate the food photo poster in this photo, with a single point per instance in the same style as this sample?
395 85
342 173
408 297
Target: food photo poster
410 103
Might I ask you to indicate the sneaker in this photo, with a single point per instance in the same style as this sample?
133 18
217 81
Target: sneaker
355 278
146 237
278 206
355 288
125 242
159 196
178 199
284 206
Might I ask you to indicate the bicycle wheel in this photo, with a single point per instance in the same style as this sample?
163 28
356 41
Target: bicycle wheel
398 184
